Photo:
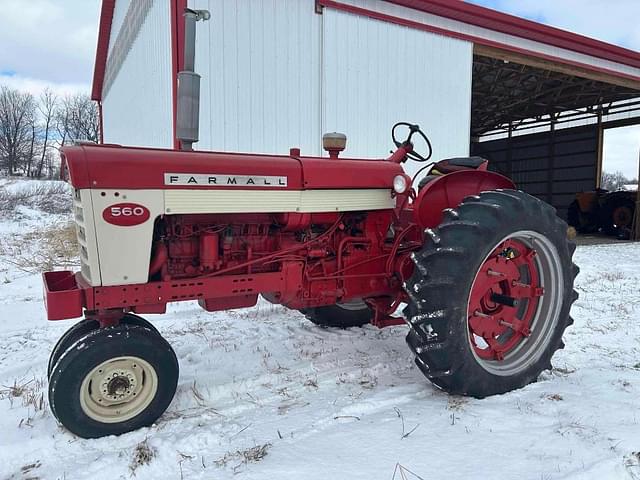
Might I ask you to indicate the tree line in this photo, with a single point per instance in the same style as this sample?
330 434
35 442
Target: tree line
33 129
616 181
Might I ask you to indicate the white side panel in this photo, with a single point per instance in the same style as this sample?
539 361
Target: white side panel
138 106
460 27
269 201
377 73
260 67
119 12
124 253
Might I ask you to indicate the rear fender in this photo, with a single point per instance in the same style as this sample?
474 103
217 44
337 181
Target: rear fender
449 190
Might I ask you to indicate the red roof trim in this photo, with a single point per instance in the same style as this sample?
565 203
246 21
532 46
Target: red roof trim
470 38
519 27
102 50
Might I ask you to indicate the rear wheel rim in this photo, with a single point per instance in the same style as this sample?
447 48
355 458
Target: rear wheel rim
514 303
118 389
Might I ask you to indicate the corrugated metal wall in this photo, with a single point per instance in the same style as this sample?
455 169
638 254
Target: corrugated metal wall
276 74
552 166
377 73
260 67
119 12
138 105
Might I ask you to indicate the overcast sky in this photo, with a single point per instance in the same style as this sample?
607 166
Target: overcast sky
52 43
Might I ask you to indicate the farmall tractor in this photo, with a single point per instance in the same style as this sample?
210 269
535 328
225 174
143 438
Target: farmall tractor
481 272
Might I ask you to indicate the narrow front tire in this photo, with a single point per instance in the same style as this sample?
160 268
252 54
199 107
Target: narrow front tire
113 380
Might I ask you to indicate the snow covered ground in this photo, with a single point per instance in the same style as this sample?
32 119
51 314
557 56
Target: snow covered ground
265 394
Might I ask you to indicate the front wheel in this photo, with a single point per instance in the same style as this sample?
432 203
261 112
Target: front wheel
113 380
85 326
491 294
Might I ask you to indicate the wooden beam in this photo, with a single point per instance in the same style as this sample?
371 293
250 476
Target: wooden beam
567 69
600 152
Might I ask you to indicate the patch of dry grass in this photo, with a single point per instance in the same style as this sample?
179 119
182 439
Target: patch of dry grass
49 197
42 250
250 455
30 394
142 455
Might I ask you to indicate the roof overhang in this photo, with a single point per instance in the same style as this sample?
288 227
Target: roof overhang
510 92
469 13
102 50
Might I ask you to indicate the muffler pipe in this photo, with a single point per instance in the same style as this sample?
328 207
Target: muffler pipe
188 111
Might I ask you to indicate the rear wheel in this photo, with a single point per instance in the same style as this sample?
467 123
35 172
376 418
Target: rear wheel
491 294
581 221
341 315
123 378
618 215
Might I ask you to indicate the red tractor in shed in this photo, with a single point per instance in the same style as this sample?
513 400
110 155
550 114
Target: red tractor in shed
483 272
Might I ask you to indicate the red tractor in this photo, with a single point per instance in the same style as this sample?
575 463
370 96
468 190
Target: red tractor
484 271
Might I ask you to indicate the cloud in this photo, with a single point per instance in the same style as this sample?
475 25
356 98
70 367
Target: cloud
611 21
51 40
621 150
35 86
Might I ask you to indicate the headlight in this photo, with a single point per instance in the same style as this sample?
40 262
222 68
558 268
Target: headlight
400 184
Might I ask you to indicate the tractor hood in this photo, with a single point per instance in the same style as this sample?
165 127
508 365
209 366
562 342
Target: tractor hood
110 166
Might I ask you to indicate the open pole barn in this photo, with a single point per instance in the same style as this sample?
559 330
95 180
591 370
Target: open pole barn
277 74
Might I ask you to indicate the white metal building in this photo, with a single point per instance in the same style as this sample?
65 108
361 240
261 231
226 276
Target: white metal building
279 73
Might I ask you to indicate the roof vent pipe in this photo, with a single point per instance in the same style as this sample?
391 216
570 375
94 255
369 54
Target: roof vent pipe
188 111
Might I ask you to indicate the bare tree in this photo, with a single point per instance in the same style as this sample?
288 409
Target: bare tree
77 119
614 181
17 128
47 108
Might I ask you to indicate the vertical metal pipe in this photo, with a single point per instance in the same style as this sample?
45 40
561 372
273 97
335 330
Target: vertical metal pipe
188 111
190 19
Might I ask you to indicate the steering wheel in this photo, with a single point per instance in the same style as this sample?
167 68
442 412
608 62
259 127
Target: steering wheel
413 129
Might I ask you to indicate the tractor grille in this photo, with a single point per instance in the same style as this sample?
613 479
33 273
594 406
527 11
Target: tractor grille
81 231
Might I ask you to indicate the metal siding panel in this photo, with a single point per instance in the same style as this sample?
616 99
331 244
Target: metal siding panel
377 73
260 65
119 12
551 167
460 27
138 108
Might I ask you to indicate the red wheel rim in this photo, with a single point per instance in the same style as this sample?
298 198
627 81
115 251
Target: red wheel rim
504 300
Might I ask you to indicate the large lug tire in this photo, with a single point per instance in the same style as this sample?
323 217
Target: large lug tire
491 293
83 327
341 315
113 380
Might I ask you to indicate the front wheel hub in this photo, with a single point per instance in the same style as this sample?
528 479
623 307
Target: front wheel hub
118 389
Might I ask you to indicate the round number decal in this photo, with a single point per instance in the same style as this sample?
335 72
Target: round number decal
126 214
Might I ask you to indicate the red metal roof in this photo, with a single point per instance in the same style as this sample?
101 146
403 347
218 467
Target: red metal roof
519 27
452 9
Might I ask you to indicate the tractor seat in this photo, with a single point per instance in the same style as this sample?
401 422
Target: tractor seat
450 165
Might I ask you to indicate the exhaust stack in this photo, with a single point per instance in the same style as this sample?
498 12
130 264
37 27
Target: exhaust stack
188 111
